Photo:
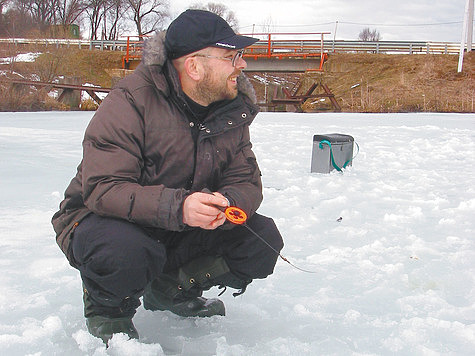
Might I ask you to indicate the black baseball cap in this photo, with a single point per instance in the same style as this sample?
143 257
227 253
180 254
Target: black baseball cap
197 29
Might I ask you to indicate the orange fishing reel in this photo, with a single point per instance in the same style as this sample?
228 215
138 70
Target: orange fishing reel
235 215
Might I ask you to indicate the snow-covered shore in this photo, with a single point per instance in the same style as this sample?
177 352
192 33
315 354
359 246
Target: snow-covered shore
396 276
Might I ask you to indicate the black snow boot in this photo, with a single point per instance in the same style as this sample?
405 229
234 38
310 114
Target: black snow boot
165 293
180 291
104 327
103 322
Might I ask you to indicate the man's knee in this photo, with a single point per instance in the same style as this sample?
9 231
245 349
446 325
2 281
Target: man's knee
255 256
119 257
265 227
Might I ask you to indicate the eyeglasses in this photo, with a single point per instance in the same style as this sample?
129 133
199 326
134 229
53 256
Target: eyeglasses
234 59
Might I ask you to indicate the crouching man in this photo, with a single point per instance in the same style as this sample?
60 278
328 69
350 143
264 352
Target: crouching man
166 151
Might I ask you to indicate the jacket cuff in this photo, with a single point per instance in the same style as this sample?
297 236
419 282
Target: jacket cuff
170 209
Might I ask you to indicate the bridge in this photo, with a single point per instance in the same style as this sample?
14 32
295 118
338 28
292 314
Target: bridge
271 48
284 51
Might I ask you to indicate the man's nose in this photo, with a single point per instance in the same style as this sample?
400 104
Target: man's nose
241 64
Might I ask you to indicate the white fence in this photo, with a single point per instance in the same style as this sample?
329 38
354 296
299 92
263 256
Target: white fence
390 47
118 45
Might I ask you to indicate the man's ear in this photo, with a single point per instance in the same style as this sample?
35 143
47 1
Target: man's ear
193 68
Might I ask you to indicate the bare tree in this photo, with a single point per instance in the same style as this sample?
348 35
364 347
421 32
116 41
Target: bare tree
268 25
220 10
105 18
3 3
369 35
42 11
17 21
28 16
113 14
95 14
68 11
147 15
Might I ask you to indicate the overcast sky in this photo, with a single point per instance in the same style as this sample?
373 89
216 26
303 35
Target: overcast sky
416 20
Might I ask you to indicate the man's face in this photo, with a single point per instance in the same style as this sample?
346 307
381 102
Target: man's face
220 77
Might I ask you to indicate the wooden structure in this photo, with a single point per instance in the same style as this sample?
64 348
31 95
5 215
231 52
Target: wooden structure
66 88
291 98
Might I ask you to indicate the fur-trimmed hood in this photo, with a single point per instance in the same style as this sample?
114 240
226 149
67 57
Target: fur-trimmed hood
155 54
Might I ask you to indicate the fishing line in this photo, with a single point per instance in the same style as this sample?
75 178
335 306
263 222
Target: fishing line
238 216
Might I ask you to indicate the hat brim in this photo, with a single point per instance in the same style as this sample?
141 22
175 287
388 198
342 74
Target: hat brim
235 42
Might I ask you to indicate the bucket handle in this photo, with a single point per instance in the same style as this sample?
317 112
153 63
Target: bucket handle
331 154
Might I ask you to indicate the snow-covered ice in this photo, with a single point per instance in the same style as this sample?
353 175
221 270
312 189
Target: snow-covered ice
396 276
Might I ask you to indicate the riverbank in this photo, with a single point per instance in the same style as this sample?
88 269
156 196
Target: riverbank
384 83
365 82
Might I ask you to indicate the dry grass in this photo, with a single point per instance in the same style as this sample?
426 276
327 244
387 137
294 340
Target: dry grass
360 82
83 66
391 83
400 83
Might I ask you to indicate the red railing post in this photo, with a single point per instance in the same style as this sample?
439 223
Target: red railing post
127 49
269 50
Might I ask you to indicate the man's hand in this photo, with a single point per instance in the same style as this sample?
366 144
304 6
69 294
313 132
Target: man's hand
201 210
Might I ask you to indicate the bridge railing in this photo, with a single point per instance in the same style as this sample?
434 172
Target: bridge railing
133 50
393 47
273 44
288 45
117 45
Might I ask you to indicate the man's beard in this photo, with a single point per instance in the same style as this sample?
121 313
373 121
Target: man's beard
210 90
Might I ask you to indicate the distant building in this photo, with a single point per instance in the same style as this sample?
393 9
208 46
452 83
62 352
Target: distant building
68 31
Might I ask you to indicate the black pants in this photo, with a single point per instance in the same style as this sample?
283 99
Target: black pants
117 259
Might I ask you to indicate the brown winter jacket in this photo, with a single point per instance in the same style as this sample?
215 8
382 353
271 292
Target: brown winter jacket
139 160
